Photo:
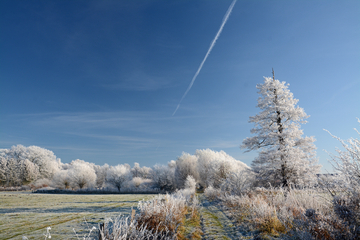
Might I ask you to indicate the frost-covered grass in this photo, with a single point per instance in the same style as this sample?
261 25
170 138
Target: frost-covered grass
162 217
26 214
158 218
296 214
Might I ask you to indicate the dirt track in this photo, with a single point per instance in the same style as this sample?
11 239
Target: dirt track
215 224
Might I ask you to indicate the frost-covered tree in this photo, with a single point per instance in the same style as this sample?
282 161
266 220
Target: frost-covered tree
118 175
186 165
141 172
62 179
215 167
101 174
238 182
146 172
82 174
35 162
285 156
164 176
10 172
29 171
138 183
136 170
3 170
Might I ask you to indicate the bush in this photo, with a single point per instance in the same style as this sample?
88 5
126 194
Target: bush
159 218
125 228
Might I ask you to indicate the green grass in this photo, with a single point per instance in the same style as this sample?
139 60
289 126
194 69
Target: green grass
27 214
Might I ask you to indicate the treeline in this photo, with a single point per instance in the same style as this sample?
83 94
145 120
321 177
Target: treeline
37 167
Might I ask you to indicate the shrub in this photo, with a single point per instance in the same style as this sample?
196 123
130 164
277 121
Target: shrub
163 213
212 193
124 228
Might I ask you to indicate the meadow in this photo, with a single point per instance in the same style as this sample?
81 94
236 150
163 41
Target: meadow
28 214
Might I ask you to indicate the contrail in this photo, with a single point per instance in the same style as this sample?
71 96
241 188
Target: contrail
208 53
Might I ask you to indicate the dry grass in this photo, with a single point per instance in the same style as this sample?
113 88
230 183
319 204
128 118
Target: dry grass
191 228
163 213
163 217
298 214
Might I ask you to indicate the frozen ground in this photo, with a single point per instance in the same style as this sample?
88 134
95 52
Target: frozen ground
27 214
216 225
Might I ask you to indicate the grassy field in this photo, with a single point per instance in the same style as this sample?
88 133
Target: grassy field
28 214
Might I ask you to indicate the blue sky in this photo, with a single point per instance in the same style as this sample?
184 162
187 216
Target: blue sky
100 80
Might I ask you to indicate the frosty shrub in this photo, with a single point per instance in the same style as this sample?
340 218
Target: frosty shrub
238 182
190 183
212 193
158 218
123 228
40 183
276 211
346 200
294 213
347 163
215 167
188 192
164 213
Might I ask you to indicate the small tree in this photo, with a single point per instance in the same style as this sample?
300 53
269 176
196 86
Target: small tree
186 165
164 176
82 174
142 172
29 171
214 167
118 175
101 174
61 179
3 170
285 156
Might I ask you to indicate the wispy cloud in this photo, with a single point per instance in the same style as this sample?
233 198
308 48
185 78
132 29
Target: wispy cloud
225 144
341 91
124 140
226 17
141 82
